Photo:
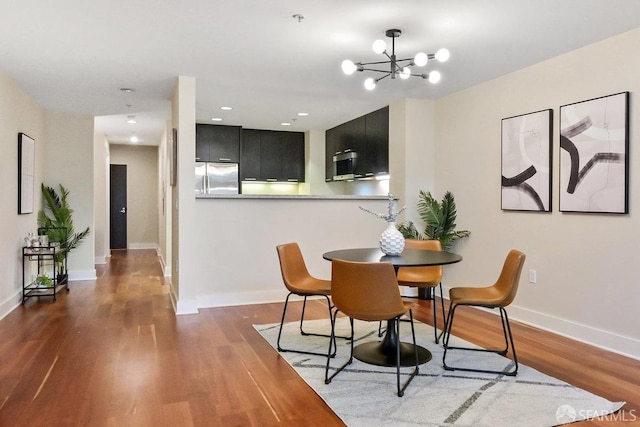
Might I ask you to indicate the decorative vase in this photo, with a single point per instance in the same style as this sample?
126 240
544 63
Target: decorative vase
391 240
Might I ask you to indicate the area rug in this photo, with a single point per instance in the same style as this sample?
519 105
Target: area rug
365 395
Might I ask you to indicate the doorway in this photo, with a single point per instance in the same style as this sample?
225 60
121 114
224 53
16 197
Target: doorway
118 206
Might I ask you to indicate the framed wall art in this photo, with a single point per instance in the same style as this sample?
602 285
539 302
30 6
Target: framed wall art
26 173
526 162
594 161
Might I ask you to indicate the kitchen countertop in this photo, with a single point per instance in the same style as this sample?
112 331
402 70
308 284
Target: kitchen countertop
292 197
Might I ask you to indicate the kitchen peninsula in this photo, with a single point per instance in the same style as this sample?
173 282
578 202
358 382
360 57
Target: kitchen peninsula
233 241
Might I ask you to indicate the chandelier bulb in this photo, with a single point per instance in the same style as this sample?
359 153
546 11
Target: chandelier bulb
379 46
434 77
405 73
421 59
370 84
442 55
348 67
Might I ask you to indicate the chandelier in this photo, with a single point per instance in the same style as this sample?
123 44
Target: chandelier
396 67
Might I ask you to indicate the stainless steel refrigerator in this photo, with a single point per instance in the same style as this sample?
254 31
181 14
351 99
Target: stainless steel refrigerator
216 178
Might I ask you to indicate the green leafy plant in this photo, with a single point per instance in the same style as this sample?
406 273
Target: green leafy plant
439 219
44 281
57 221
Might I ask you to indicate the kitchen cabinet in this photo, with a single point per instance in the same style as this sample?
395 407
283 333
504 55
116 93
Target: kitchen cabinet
250 155
368 136
376 152
216 143
272 156
293 159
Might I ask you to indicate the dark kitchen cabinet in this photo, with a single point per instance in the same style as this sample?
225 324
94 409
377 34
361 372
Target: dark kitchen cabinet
376 153
216 143
272 156
250 155
368 136
293 160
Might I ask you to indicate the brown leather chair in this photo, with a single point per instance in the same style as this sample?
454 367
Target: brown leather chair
369 291
299 282
499 296
425 278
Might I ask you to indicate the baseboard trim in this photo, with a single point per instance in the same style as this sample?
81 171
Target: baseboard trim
10 304
615 343
79 275
143 245
193 306
605 340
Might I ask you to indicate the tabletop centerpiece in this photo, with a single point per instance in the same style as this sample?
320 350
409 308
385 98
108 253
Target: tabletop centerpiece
391 240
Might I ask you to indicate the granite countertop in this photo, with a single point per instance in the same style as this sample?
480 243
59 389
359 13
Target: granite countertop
292 197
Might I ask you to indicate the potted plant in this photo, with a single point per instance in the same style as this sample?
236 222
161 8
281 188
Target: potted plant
56 222
43 281
439 219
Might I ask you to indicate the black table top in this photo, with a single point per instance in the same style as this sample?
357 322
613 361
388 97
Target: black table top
408 258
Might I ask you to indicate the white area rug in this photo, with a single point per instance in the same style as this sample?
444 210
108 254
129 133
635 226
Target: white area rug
365 395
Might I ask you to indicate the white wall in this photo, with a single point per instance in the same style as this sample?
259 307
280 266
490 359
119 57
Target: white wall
101 198
69 161
586 263
164 201
236 261
18 113
142 192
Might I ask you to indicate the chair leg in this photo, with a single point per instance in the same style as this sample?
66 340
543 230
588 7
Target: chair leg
327 378
506 328
331 337
415 352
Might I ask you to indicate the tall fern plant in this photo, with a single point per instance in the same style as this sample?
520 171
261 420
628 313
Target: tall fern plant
439 219
57 219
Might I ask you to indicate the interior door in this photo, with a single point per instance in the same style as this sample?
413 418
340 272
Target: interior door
118 206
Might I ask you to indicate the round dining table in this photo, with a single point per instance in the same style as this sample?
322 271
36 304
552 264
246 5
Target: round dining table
383 353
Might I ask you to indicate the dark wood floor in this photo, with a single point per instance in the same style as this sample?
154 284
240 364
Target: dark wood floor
112 353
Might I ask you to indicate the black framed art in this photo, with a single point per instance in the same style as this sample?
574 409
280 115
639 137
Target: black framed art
526 161
26 173
594 161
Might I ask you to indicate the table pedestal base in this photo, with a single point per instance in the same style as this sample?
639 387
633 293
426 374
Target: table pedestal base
374 354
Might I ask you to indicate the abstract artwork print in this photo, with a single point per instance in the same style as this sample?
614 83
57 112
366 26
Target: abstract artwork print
594 165
526 162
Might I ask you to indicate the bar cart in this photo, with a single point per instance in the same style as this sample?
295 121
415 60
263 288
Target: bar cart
44 268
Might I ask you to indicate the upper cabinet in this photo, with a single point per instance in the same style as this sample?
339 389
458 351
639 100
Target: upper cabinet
376 152
215 143
368 137
272 156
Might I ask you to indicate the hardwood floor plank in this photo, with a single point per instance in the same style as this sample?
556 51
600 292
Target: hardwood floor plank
111 352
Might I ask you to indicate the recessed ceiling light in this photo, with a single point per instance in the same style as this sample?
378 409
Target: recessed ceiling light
226 108
131 120
134 138
285 124
303 114
216 119
127 89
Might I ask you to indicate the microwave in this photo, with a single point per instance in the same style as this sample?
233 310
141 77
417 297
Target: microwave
344 165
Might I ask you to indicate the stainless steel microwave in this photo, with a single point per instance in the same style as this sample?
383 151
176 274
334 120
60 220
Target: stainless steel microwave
344 165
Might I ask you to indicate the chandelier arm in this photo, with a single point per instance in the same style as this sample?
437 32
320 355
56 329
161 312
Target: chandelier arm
377 71
383 77
376 62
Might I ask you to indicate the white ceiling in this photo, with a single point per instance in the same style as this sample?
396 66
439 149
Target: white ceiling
252 55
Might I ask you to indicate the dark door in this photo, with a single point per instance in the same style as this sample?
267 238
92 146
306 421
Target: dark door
118 209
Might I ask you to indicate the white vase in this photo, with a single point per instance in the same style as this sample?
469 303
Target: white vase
391 240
